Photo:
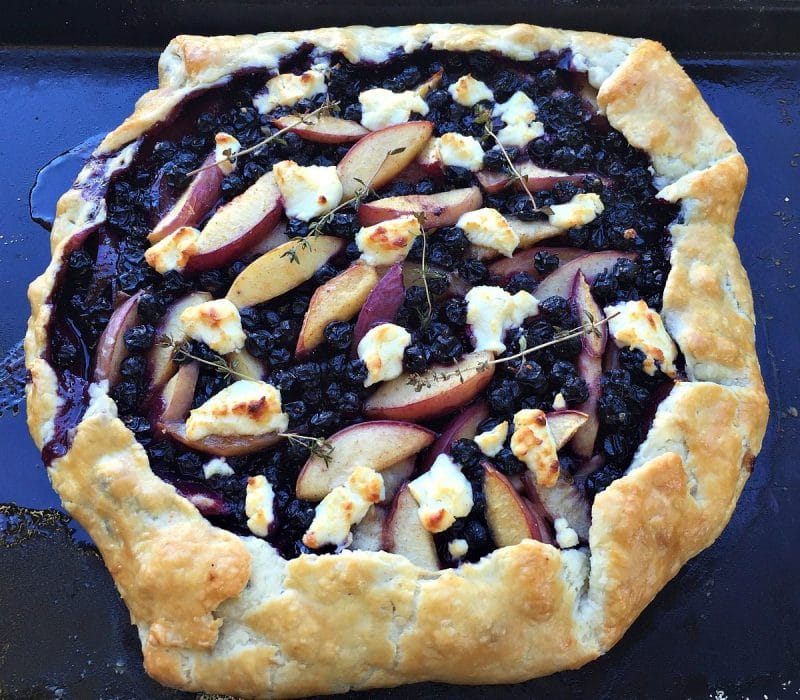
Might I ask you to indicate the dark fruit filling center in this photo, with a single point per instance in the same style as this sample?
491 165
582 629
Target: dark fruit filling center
324 391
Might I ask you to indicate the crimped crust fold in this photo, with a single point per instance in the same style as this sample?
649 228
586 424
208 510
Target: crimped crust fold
226 614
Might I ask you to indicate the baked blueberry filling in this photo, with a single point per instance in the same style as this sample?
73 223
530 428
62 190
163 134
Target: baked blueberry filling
483 291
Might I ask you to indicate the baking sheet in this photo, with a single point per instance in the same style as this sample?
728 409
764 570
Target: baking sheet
725 627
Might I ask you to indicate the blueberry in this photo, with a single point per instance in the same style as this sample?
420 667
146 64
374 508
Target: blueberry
545 262
299 515
297 227
308 373
349 405
357 372
296 410
446 348
466 453
213 281
339 334
520 281
424 186
503 397
472 271
232 186
495 161
324 273
477 536
507 463
353 112
133 367
415 359
438 99
457 176
259 343
125 394
453 239
440 256
530 374
415 297
344 223
352 251
454 310
140 338
574 390
322 422
523 208
438 284
64 353
556 309
279 357
312 395
80 263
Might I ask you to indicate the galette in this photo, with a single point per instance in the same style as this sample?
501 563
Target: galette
370 356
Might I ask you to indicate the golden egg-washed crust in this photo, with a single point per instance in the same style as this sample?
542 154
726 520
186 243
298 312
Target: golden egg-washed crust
227 614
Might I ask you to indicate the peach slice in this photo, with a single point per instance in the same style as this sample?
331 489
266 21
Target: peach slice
376 444
244 363
404 534
381 304
537 179
111 349
563 500
272 240
378 158
396 475
282 269
522 261
559 282
440 209
564 424
322 128
174 402
509 519
585 307
368 534
463 425
237 226
339 299
530 233
437 392
160 360
202 193
221 445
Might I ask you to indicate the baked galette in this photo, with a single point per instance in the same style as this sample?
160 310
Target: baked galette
372 356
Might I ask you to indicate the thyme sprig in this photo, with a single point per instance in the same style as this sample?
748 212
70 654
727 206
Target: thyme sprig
484 117
304 118
219 363
363 191
590 327
316 445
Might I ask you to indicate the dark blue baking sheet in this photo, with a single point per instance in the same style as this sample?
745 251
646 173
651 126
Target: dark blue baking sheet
727 626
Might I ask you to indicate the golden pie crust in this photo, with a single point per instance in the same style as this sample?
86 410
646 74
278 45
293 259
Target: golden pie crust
226 614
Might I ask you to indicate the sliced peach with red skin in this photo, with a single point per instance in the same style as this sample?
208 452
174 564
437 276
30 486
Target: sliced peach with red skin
509 519
199 197
585 308
174 402
404 534
238 226
322 128
381 304
221 445
530 233
111 349
436 210
463 425
559 282
376 444
536 178
437 392
564 424
563 500
379 157
282 269
160 360
522 261
339 299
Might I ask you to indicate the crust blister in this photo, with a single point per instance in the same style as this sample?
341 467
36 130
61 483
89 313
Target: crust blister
230 621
